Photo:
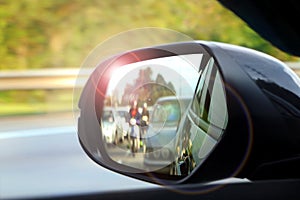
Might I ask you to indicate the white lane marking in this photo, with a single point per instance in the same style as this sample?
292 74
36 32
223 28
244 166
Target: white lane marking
38 132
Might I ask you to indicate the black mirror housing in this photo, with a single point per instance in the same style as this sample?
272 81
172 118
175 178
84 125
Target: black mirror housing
245 123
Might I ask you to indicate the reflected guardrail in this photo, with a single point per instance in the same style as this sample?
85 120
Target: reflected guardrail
43 79
51 79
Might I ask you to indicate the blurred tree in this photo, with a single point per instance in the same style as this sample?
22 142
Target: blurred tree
61 33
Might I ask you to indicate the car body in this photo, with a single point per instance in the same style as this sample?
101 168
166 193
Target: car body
166 115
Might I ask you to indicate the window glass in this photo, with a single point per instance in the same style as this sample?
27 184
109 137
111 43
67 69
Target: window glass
210 108
217 114
196 103
206 99
204 93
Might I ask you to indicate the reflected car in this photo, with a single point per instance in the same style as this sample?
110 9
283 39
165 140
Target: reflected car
167 112
123 121
112 133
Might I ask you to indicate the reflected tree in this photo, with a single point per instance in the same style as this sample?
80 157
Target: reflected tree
146 89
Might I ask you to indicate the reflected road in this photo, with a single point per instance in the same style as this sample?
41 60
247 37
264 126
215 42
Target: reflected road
123 155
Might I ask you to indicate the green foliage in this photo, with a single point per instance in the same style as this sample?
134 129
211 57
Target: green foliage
18 102
61 33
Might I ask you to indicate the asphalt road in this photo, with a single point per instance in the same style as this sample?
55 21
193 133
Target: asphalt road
122 154
41 156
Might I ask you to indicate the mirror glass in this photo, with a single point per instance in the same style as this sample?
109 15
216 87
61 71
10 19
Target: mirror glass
145 102
144 121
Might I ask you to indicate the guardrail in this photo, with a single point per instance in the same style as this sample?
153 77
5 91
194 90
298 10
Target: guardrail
51 79
43 79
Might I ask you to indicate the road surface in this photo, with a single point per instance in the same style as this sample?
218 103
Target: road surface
41 156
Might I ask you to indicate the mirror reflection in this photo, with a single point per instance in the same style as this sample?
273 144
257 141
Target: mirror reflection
204 123
144 118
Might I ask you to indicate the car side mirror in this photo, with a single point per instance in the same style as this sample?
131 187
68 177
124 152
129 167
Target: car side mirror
215 112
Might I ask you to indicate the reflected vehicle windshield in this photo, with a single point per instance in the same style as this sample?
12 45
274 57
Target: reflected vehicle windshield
168 111
107 116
